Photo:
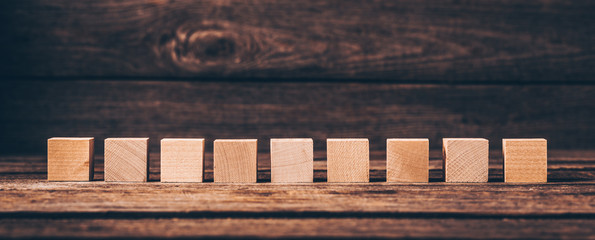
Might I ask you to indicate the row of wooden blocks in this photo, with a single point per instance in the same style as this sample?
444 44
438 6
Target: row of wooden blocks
235 160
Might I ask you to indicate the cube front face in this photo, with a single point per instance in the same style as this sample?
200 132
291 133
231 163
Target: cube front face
182 160
525 160
235 160
292 160
70 159
466 159
407 160
348 160
126 159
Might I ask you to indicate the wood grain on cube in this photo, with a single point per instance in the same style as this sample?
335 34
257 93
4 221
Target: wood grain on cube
182 159
407 160
70 159
234 160
465 159
348 160
525 160
126 159
292 160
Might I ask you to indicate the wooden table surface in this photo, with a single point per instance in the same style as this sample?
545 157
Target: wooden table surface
31 207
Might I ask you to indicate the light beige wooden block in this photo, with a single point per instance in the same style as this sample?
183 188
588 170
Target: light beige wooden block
292 160
348 160
182 159
525 160
465 159
407 160
235 160
126 159
70 159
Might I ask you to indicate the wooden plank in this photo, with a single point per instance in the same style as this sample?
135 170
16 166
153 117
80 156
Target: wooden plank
34 110
126 159
466 159
182 159
563 166
30 198
70 159
292 160
525 160
235 160
407 160
376 228
348 160
409 40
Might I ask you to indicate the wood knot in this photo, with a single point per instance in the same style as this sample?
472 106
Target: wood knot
226 48
195 48
207 46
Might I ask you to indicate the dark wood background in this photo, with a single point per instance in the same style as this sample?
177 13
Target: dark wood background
406 40
314 68
262 69
36 110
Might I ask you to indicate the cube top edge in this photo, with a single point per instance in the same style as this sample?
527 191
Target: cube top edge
127 139
465 139
236 140
444 140
183 139
292 140
407 140
347 140
72 138
524 140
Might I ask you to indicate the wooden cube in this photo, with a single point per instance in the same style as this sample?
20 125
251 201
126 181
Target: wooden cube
126 159
348 160
292 160
465 159
525 160
235 160
182 159
407 160
70 159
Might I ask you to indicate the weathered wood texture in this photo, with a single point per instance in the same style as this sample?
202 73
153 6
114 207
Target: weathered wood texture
35 110
293 49
35 198
308 228
412 40
31 207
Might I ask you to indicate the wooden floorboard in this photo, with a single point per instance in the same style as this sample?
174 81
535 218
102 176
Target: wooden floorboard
28 197
345 228
32 208
408 40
